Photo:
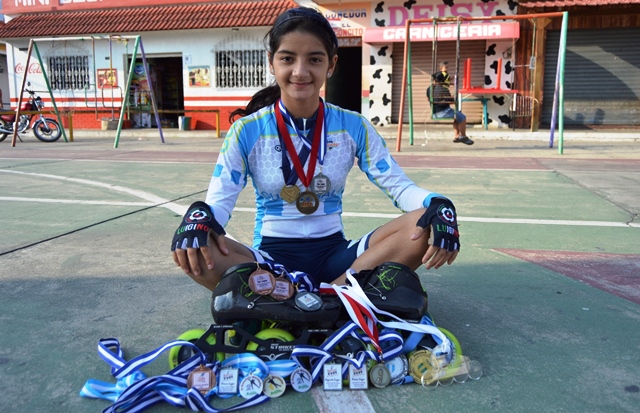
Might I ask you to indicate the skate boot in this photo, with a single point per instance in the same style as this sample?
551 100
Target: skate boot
395 288
251 292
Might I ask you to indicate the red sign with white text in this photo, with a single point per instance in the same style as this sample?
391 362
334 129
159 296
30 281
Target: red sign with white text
425 32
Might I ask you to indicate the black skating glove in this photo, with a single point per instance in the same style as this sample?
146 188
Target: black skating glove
193 231
441 217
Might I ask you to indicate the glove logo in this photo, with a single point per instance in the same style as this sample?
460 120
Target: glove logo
447 214
198 215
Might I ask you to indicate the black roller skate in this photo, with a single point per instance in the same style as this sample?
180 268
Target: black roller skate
246 292
395 288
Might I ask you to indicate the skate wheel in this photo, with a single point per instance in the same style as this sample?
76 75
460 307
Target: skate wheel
273 334
178 354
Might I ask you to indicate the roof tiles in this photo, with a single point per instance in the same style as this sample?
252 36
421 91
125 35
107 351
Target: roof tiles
146 19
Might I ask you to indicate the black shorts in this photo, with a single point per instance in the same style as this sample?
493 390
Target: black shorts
324 259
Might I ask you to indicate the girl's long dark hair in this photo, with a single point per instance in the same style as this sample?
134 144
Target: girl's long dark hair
301 19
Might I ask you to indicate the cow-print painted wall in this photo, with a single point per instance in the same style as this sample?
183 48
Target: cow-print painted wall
380 84
379 73
498 105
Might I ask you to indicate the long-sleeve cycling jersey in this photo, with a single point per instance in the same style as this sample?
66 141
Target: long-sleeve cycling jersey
253 149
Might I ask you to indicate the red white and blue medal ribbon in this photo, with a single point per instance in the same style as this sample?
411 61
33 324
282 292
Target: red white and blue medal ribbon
317 146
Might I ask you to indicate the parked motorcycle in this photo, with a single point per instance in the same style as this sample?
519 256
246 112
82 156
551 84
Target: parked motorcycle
45 129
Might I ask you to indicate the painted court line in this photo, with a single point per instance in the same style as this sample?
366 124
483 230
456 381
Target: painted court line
155 200
182 209
179 209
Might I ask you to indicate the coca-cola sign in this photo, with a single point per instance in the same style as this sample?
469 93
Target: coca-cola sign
34 69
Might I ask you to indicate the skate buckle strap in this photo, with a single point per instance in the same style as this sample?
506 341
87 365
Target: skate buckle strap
134 392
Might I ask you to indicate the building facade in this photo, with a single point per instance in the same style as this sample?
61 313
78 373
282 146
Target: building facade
211 55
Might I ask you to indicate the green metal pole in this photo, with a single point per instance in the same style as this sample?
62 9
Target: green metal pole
46 81
563 52
410 91
125 102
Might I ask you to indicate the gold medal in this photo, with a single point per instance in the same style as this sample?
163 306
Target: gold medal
201 379
423 367
290 193
320 184
283 289
262 282
307 202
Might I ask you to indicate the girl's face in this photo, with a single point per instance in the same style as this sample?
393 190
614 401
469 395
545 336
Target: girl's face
301 65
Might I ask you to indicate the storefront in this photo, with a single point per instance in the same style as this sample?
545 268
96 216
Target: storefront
211 56
205 57
382 25
602 70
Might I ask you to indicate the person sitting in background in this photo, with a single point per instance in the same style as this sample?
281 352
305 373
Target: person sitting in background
441 109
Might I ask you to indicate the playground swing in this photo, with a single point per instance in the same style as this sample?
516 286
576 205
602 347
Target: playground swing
452 98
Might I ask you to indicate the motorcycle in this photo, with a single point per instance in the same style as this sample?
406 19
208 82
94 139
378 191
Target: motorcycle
45 129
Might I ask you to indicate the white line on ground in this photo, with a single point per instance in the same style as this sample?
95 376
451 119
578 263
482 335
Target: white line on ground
74 201
182 209
156 200
341 401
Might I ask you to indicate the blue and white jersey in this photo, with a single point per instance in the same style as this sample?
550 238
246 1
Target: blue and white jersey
253 149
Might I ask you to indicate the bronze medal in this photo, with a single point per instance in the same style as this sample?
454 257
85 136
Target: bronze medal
201 379
321 184
290 193
283 289
307 202
262 282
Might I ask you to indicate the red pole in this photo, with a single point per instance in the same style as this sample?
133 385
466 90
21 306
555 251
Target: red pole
24 81
404 84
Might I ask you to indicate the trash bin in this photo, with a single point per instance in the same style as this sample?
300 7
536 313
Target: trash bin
184 122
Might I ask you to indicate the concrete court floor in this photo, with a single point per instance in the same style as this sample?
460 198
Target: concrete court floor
545 293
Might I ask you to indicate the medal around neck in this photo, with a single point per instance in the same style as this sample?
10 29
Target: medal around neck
301 380
307 202
321 184
380 376
201 379
274 386
262 282
290 193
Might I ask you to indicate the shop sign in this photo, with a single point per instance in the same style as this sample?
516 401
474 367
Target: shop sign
424 33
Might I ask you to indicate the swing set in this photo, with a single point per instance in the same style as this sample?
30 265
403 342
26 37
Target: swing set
523 103
33 47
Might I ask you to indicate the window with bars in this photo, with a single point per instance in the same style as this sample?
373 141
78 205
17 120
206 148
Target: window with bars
69 72
241 68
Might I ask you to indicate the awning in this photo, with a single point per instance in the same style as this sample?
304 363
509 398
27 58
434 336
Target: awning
425 32
146 19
